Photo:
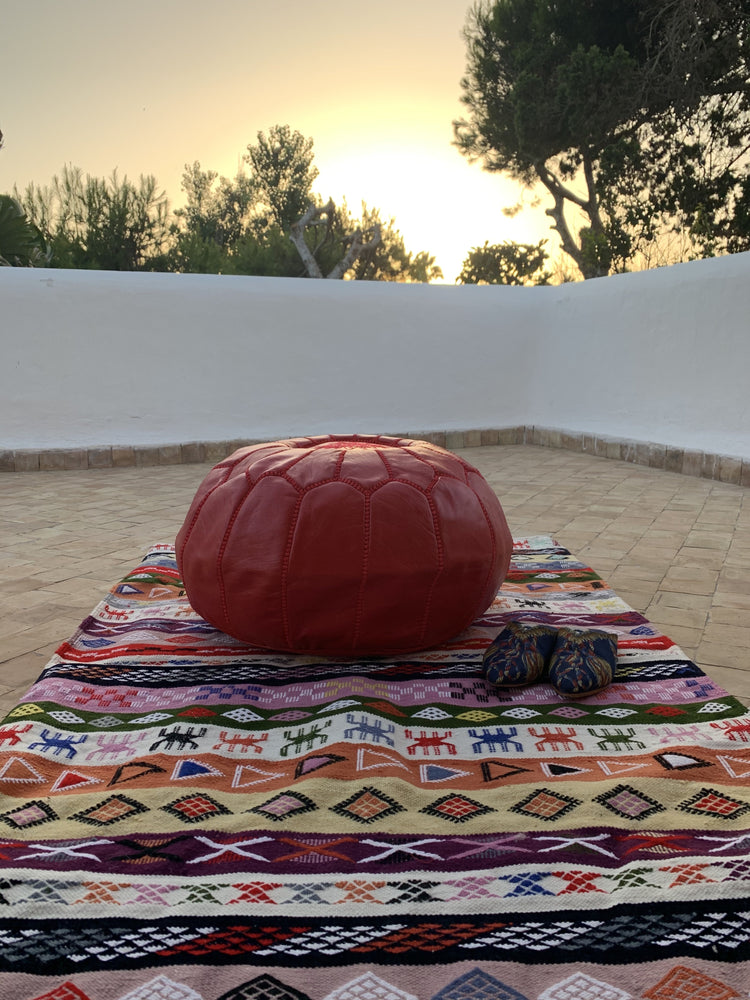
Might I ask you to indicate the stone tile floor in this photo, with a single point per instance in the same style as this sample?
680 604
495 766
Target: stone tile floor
676 548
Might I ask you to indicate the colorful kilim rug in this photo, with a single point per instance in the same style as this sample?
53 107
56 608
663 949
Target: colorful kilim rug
186 818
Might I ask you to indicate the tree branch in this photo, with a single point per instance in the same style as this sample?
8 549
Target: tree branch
297 236
555 186
357 245
592 205
356 249
557 213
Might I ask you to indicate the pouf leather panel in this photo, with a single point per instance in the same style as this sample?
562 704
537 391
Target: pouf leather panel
357 545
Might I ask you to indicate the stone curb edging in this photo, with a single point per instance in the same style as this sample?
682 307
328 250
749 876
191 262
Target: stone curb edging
688 462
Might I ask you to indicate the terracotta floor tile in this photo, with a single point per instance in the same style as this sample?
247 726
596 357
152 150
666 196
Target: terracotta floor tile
730 599
689 579
730 616
703 539
712 559
646 572
730 635
688 602
670 619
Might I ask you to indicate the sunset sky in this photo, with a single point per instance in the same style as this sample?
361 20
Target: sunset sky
148 86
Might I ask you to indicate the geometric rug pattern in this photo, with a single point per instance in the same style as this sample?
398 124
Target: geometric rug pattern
186 817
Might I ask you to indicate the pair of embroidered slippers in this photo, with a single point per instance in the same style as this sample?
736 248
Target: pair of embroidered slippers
575 662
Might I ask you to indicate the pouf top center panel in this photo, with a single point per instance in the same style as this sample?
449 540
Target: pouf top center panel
346 445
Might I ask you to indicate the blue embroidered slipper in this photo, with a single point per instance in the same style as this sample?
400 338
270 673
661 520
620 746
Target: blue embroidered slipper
519 655
583 662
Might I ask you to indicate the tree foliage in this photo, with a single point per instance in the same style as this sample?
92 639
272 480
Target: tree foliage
633 114
219 215
21 243
283 174
108 224
506 264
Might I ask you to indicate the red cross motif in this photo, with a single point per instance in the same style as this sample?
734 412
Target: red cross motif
738 731
434 743
654 841
324 850
108 612
243 743
556 739
12 734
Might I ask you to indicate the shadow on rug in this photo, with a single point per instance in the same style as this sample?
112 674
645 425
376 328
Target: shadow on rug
186 818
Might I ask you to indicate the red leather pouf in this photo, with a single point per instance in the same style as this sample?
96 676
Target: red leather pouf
353 545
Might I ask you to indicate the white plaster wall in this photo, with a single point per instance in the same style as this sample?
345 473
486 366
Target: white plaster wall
660 355
96 358
110 358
